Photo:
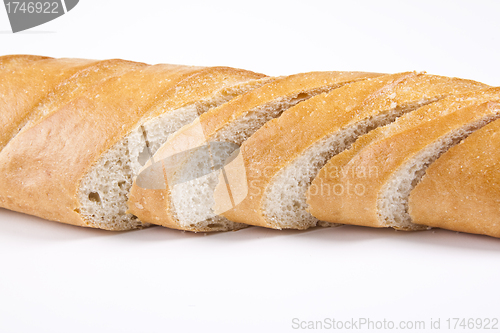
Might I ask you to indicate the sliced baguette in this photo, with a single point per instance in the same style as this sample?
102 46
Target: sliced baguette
43 168
369 184
104 190
461 190
284 156
189 205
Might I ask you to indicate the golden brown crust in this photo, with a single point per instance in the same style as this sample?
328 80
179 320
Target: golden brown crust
282 140
12 60
24 84
461 190
214 121
95 74
200 86
291 85
42 166
363 171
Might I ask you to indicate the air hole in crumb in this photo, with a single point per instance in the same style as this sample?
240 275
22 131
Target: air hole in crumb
94 197
300 97
76 210
143 156
133 217
121 184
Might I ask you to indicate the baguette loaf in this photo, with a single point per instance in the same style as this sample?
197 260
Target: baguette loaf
461 190
70 161
188 205
369 184
118 145
284 156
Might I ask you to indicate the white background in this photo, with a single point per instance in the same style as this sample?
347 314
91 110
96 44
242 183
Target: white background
60 278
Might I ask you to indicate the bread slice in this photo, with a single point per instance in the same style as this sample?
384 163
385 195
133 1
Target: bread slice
46 167
284 156
370 183
461 190
188 203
